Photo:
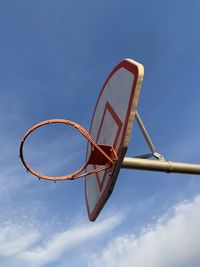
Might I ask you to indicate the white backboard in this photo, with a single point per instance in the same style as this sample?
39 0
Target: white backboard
111 124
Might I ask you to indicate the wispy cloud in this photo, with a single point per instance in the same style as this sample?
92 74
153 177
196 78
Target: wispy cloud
14 238
172 241
27 245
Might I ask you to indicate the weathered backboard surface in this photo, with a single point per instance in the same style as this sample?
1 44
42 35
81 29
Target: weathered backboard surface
111 124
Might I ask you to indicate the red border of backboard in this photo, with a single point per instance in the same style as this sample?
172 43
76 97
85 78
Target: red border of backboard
133 68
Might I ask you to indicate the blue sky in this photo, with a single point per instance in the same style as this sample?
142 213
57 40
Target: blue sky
54 59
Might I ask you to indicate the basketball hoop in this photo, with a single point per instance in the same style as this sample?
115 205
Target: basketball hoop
103 155
111 125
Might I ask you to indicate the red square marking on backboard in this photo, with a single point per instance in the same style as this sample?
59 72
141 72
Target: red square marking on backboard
116 119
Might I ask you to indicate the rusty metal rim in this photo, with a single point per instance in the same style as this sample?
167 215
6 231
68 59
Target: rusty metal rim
76 174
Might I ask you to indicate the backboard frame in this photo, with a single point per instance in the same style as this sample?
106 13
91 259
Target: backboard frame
137 70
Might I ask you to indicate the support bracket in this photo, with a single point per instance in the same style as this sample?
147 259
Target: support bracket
149 142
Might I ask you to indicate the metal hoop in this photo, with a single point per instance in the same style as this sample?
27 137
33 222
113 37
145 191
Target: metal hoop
108 160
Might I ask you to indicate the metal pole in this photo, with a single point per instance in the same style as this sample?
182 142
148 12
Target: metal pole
160 166
145 133
147 138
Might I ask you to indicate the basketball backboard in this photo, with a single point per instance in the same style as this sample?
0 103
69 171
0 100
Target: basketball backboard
111 124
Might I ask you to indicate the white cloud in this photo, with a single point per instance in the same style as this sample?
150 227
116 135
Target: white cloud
26 245
15 238
67 240
173 241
